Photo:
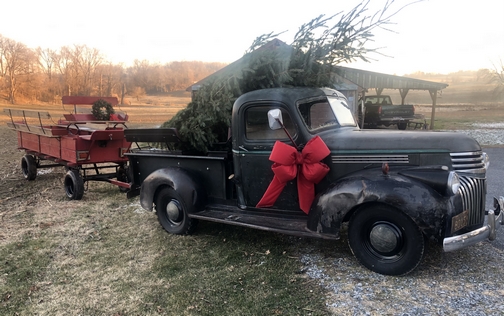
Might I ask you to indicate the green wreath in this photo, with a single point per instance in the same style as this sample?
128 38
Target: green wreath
102 110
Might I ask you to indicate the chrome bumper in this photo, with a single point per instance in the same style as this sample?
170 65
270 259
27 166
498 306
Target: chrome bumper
489 231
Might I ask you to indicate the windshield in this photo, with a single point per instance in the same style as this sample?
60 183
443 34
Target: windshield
325 113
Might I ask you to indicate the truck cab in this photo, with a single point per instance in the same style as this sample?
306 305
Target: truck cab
299 164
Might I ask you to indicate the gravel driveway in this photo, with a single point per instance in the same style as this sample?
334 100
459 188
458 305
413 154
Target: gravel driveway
465 282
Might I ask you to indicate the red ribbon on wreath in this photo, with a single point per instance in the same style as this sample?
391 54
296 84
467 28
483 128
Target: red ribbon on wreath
288 163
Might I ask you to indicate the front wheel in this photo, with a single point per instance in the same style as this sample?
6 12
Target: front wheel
172 213
385 240
29 167
74 185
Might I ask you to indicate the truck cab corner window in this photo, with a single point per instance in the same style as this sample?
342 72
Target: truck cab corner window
325 114
257 125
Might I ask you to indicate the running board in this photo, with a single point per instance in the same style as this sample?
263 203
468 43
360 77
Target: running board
289 226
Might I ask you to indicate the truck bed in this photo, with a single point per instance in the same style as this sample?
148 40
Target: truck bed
211 171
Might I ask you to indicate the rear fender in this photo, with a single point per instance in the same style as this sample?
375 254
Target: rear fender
423 204
178 179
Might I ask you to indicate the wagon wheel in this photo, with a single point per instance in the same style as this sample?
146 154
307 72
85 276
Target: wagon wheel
124 175
172 213
385 240
29 167
74 185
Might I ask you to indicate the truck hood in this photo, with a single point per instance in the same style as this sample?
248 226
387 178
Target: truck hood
351 139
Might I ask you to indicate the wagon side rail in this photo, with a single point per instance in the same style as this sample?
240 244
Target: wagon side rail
22 122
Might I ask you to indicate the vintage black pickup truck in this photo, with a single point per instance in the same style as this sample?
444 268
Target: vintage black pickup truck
380 111
297 163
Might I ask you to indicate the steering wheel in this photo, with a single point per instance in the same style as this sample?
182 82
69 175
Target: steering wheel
70 131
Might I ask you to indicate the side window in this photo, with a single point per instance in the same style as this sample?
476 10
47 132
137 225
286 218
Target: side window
257 127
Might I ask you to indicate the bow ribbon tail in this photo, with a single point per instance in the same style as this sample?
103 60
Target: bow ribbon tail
306 193
274 190
307 178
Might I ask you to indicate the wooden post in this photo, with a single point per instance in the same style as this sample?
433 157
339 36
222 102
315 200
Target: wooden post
403 93
433 94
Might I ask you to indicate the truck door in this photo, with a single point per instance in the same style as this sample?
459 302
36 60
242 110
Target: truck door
251 155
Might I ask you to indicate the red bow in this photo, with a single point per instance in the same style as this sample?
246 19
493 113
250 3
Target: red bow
289 163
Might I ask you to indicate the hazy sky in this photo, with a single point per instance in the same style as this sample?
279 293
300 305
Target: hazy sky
431 36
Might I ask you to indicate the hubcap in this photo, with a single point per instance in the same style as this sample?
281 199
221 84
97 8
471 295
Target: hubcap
174 212
385 238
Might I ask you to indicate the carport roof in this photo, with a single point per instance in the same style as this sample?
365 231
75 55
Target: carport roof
374 80
362 78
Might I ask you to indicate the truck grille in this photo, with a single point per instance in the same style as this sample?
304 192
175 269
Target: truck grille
469 162
473 192
471 168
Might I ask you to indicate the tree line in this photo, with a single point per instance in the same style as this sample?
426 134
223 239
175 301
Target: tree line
46 74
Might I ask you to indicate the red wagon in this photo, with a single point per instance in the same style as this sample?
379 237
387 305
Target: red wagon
90 149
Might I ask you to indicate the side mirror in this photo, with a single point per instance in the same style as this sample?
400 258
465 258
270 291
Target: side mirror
275 119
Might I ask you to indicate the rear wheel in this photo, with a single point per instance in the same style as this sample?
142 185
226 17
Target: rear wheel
29 167
74 185
385 240
172 213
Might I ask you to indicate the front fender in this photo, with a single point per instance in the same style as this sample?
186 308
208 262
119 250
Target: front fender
178 179
428 208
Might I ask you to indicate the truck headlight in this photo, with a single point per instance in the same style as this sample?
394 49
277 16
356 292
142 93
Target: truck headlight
486 160
453 183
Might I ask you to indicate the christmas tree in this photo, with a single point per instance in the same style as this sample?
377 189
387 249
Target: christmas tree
310 61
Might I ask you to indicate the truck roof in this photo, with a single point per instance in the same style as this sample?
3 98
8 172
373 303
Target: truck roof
286 95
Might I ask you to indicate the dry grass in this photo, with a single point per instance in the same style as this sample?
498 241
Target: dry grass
104 255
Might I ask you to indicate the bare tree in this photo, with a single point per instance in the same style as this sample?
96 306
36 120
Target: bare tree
64 66
46 60
78 68
16 65
139 75
111 79
497 78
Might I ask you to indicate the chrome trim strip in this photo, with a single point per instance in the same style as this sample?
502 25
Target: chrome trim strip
468 162
391 159
468 153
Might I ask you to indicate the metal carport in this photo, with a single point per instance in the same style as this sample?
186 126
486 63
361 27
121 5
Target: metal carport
379 81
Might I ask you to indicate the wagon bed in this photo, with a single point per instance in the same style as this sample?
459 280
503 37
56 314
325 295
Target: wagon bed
77 142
